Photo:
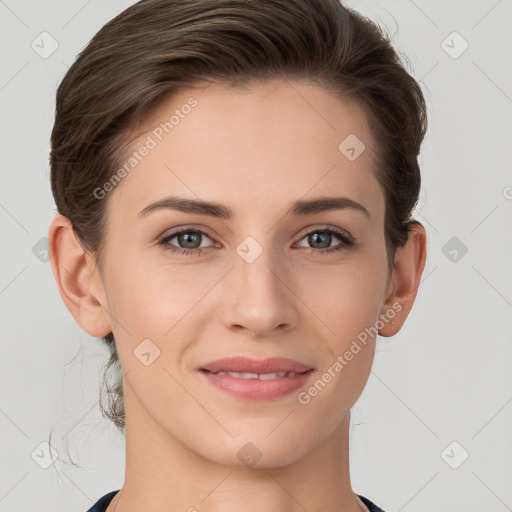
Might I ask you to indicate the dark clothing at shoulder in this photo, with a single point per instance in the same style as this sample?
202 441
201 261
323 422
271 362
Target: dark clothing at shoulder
102 504
371 506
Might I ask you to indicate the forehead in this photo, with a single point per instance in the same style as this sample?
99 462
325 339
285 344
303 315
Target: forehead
269 145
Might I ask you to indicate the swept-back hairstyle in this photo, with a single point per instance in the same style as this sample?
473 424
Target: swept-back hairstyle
157 46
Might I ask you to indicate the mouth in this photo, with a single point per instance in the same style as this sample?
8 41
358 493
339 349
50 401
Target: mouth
250 379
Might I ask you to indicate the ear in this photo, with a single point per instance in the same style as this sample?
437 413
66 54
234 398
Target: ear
78 279
404 280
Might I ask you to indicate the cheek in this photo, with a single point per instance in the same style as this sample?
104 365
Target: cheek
151 299
346 303
345 298
348 306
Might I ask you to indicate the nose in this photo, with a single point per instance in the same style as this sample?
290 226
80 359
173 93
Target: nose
258 297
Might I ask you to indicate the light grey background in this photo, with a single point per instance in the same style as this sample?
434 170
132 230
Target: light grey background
444 378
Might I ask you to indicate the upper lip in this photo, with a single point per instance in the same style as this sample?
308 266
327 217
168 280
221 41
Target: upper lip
248 365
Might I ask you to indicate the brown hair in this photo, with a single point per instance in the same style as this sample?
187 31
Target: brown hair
157 46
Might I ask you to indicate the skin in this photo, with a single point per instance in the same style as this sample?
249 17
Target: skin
255 151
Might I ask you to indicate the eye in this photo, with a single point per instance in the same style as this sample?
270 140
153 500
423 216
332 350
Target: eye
321 238
189 238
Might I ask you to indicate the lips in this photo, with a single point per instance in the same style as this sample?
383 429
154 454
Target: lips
251 379
246 365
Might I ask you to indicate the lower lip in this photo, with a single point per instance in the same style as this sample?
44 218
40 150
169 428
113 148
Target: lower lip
256 389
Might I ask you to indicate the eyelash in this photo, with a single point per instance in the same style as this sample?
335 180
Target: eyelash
346 239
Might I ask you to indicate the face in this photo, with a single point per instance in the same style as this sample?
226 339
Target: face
188 286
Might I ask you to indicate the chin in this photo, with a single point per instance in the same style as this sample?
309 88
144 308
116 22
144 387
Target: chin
256 452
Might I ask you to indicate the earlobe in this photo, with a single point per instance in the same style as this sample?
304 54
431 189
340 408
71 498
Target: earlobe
408 269
79 282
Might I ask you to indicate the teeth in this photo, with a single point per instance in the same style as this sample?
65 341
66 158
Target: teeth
261 376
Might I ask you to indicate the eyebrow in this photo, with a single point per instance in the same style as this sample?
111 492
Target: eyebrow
301 207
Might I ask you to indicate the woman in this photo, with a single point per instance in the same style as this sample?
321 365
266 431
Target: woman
235 183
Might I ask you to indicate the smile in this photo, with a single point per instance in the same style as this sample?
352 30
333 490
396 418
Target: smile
257 386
